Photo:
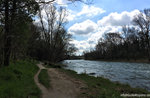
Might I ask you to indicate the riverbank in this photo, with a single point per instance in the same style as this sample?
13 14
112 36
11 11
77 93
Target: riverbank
123 60
98 87
16 80
134 74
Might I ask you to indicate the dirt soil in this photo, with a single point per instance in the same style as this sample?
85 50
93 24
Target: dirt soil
62 85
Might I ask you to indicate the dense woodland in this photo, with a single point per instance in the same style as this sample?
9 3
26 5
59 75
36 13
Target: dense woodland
132 43
21 37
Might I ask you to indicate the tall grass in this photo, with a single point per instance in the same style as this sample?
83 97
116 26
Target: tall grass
16 81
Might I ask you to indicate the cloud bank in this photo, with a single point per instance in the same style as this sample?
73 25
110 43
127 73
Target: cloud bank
94 30
83 28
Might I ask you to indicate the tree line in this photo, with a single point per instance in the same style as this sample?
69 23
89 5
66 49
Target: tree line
21 37
132 43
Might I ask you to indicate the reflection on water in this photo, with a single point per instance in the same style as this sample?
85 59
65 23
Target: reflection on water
135 74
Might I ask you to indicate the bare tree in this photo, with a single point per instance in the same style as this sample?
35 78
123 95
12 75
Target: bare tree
142 20
54 34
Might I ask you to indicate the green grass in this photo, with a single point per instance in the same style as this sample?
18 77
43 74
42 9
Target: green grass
44 78
16 80
98 87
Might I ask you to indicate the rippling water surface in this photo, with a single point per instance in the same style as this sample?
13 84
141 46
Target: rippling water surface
134 74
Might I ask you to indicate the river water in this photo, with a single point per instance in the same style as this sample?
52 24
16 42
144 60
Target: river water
134 74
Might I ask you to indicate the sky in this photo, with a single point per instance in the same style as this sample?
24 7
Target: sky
87 23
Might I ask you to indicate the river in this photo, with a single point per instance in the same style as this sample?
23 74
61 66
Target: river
134 74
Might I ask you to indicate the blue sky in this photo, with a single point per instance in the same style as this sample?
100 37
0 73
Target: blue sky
112 6
87 23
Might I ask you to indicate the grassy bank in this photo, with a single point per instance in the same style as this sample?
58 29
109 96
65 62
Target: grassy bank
44 78
99 87
16 81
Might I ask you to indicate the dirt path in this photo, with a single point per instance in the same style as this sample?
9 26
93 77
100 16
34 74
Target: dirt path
62 86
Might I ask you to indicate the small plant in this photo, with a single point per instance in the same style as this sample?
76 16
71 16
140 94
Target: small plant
44 78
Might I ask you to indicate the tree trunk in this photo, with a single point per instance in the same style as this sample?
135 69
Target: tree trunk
7 39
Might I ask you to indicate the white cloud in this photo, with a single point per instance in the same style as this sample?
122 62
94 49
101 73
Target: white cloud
90 11
118 19
83 28
82 46
61 1
111 23
86 45
102 30
70 15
